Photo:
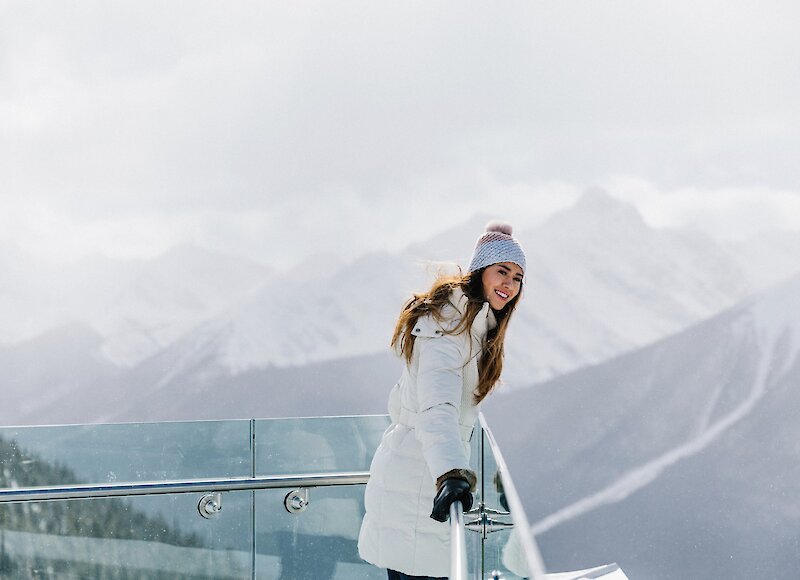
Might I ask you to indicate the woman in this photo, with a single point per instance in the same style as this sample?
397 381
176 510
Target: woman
452 341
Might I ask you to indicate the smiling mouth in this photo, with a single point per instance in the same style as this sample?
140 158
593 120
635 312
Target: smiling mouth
502 295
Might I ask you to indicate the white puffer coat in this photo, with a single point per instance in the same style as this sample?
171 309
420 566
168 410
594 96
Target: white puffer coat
433 413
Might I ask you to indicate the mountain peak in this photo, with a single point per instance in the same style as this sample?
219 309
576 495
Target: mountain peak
597 198
597 208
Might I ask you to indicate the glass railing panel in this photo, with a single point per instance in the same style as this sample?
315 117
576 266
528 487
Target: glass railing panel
151 537
497 552
500 551
317 444
511 550
515 553
36 456
318 543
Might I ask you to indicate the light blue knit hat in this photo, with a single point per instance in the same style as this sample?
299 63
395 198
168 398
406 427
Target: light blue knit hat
496 246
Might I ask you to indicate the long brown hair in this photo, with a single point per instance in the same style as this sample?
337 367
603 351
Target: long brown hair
432 302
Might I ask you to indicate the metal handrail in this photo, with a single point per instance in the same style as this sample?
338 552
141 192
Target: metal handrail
65 492
458 542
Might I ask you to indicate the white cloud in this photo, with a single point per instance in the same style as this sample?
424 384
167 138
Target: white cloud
283 232
56 235
729 213
341 223
175 104
242 126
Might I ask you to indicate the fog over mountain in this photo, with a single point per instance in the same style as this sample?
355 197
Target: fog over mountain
600 282
138 307
676 460
37 296
169 297
63 369
766 258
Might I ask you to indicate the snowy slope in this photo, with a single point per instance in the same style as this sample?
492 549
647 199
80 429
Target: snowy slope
168 390
599 282
676 460
602 282
55 378
137 307
169 297
291 323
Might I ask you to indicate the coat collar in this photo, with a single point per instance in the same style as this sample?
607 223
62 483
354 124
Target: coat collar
485 320
428 326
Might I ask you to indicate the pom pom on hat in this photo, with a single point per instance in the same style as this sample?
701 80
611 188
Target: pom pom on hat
495 246
498 226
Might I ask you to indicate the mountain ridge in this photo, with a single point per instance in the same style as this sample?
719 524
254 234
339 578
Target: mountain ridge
609 437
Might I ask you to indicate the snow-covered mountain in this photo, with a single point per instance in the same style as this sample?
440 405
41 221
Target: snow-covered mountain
291 323
678 458
137 307
600 282
169 297
58 377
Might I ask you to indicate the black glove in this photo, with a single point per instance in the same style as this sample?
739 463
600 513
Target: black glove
503 501
452 489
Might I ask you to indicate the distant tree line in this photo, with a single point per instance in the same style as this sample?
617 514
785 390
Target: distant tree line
94 518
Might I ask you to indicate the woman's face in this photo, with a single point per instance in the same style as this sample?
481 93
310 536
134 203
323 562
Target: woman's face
501 283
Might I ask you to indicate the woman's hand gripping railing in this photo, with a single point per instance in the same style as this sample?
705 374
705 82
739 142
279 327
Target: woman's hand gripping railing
452 499
458 542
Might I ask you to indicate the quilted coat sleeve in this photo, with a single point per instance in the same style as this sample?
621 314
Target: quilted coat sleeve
439 392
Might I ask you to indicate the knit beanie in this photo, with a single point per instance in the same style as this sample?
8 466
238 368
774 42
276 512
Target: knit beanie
496 246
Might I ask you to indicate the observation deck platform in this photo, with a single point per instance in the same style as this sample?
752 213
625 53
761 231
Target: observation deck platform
243 499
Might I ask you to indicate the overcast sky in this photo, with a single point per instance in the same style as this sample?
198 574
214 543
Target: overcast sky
280 129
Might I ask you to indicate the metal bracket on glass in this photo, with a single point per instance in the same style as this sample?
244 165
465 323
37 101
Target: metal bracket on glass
296 501
495 575
485 525
210 505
